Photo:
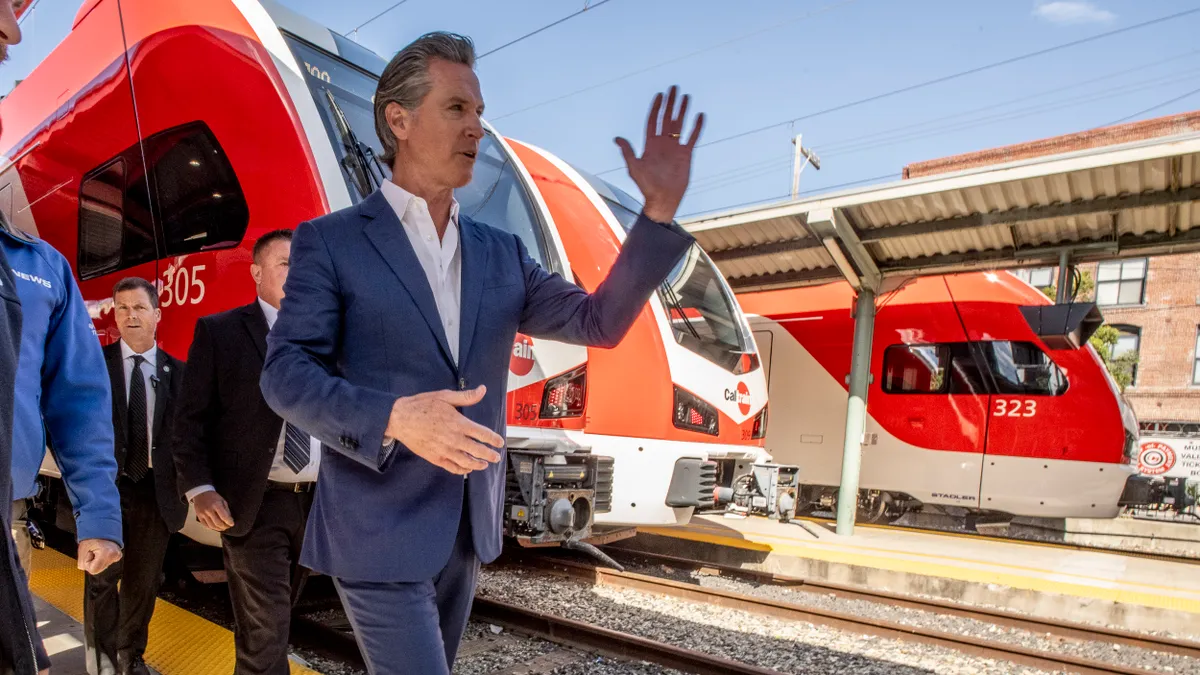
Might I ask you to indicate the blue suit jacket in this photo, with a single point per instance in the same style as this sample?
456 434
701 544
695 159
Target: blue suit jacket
359 327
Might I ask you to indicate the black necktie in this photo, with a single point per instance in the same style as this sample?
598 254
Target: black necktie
295 447
137 459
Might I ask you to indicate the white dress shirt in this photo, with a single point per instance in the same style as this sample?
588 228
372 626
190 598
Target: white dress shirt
440 259
280 472
150 376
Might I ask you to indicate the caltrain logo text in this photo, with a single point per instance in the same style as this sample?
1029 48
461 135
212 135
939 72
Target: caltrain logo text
522 356
741 395
1155 458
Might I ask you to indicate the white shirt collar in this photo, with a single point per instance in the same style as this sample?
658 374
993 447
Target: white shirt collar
268 311
151 355
402 200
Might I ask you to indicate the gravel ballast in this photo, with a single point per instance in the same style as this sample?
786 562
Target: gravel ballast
786 646
1100 651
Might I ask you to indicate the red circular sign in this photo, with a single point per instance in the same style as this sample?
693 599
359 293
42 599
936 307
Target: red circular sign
1155 458
743 398
521 362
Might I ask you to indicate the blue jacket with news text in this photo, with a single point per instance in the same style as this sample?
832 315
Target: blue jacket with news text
63 395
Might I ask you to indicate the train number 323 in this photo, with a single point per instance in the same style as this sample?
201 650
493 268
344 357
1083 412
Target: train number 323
1015 407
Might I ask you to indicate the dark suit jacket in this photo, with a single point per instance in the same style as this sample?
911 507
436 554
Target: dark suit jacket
225 435
169 372
359 327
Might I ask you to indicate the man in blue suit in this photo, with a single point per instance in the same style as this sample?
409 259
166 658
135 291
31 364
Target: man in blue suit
392 347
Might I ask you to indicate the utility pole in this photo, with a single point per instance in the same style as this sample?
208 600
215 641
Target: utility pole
804 157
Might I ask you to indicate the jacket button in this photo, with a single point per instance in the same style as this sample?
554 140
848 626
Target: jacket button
462 384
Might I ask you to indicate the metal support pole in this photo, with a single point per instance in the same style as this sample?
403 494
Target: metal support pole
1064 276
796 167
856 410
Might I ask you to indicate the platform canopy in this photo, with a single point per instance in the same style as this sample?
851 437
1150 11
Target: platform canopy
1138 198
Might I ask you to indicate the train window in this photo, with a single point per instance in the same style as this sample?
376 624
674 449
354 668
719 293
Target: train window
915 369
199 199
1023 368
497 197
114 233
947 368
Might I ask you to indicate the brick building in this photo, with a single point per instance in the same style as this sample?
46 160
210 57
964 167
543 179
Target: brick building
1153 302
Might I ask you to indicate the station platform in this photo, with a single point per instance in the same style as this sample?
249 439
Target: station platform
181 643
1039 579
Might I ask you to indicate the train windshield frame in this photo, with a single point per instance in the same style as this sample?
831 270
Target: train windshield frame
344 94
701 308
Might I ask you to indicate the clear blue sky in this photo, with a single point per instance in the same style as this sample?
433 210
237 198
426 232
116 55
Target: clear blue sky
792 65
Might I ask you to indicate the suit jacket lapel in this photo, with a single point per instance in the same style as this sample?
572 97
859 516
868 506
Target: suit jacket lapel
256 324
474 255
387 235
162 392
116 375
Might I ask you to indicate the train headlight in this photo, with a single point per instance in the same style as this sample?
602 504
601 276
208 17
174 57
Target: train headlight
760 425
693 414
565 395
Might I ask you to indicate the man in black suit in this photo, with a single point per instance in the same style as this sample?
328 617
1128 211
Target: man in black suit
249 476
145 382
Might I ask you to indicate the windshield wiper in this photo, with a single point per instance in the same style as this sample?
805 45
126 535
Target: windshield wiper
356 161
676 306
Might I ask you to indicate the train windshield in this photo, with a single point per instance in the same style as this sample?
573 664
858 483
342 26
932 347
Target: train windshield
704 314
344 95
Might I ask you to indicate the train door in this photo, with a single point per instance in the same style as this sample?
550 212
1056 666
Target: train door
927 408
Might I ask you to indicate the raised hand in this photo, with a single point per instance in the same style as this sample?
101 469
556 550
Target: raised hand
430 426
663 170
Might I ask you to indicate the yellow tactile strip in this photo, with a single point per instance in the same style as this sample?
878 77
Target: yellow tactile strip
181 643
934 569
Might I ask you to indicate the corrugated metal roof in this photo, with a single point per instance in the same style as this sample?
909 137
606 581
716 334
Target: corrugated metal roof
1135 198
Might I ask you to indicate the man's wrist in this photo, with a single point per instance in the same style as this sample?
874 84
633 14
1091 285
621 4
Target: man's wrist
197 491
658 215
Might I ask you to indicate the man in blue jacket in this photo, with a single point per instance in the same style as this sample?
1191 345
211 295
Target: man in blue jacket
62 398
392 347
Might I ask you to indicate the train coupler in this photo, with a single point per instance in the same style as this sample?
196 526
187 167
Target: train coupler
553 491
768 490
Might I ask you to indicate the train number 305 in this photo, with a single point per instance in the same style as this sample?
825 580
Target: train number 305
182 286
1015 408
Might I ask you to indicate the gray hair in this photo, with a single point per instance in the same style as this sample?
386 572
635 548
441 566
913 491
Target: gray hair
406 78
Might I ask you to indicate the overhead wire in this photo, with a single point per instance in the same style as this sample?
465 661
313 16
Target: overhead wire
586 8
372 19
992 106
1008 116
826 188
924 128
945 78
676 59
1156 107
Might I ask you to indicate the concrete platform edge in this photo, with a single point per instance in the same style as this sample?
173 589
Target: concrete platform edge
1048 605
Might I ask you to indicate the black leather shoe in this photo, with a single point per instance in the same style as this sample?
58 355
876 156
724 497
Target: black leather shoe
136 666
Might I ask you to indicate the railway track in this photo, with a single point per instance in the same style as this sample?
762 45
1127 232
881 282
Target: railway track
870 626
332 640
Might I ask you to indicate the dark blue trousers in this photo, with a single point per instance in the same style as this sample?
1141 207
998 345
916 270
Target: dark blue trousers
414 628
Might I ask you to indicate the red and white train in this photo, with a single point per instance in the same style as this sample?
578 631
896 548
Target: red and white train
160 139
969 407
